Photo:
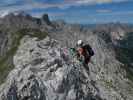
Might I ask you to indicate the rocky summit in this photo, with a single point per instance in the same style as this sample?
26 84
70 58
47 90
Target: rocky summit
46 68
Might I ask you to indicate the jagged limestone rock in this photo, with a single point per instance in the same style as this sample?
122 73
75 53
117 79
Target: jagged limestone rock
46 71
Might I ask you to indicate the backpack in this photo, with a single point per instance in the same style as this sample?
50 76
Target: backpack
89 50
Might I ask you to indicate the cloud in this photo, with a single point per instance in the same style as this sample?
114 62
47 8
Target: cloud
3 13
93 1
51 14
89 2
10 2
121 13
26 5
77 3
30 6
103 11
114 13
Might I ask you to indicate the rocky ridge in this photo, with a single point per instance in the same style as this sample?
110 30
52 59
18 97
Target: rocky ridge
44 72
44 69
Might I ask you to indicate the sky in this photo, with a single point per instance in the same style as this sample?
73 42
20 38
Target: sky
74 11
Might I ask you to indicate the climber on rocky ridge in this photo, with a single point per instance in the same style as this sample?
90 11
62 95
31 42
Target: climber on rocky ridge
84 53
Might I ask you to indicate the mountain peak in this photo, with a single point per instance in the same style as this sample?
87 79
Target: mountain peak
45 18
20 19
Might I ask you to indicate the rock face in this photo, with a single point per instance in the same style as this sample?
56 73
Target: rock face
45 18
20 20
12 27
46 71
43 73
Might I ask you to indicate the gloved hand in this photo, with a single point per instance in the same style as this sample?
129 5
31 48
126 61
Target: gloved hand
81 58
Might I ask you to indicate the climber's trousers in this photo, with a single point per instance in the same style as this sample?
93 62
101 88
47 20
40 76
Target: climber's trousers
86 66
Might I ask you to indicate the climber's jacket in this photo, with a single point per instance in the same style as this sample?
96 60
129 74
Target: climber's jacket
85 53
